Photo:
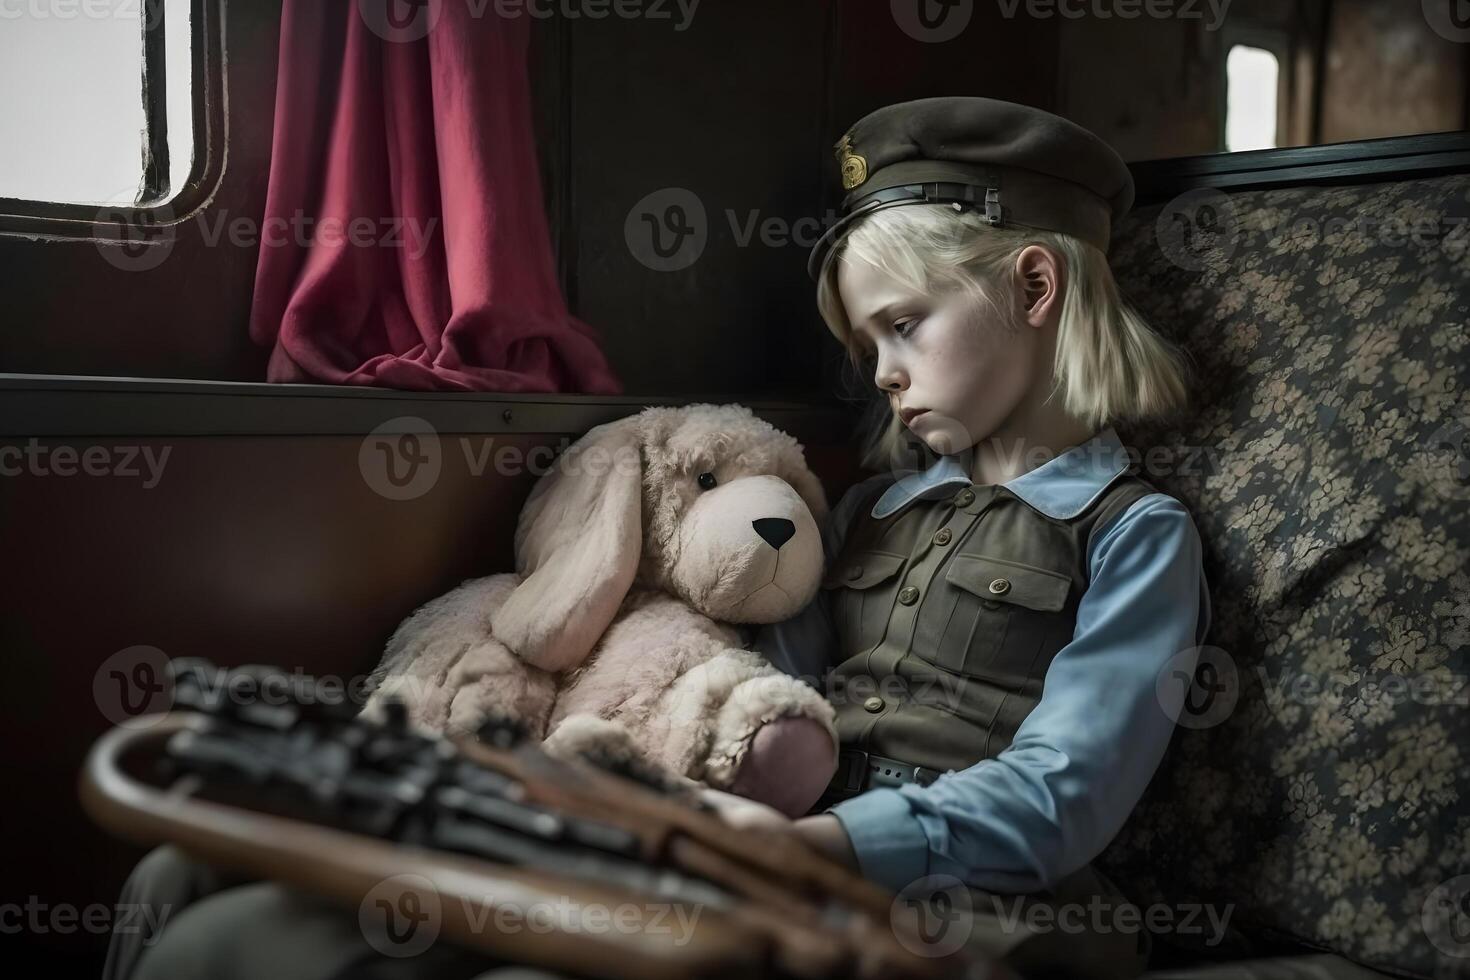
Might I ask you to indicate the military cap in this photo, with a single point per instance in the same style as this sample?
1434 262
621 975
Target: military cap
1018 166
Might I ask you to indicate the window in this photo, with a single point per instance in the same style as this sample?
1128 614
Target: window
97 107
1252 89
113 115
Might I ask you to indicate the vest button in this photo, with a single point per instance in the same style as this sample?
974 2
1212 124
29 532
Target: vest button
964 498
942 536
874 703
855 571
908 595
1000 586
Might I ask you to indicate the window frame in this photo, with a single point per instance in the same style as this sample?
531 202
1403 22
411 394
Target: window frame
1386 158
60 406
155 99
1355 162
121 222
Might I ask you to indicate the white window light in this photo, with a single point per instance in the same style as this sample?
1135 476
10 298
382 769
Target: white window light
1252 78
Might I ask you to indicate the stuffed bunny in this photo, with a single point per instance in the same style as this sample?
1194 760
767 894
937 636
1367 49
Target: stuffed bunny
646 539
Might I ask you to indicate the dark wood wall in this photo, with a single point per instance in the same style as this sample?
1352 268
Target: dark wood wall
740 108
740 111
240 527
729 116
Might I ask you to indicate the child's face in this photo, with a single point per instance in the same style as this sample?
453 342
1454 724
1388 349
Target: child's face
939 353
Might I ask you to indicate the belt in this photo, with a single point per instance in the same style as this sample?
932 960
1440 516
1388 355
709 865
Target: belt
858 771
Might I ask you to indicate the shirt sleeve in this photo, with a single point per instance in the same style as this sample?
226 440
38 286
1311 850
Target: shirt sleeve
1053 799
803 646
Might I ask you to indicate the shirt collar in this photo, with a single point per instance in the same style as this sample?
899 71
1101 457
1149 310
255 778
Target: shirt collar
1061 488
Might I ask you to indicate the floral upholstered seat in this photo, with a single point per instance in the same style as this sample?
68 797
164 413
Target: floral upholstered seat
1322 790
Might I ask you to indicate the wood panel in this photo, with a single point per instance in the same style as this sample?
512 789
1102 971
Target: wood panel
243 549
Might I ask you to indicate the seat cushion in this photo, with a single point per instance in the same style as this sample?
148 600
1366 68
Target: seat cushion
1319 785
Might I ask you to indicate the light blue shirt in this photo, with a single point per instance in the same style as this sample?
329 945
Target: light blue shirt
1051 801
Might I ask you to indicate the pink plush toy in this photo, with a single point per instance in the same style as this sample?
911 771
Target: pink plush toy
634 553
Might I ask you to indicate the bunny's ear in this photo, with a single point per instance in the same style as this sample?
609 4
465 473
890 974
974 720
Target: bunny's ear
578 543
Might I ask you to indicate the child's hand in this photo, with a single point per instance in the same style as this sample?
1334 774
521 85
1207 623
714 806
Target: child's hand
822 832
737 811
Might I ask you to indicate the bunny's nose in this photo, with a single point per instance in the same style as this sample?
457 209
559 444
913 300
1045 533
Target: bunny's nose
776 530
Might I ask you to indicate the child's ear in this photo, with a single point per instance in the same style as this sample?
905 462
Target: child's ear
1039 273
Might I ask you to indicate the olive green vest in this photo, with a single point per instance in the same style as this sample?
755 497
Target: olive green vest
948 614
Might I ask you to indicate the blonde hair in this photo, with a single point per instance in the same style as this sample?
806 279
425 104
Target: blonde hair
1110 365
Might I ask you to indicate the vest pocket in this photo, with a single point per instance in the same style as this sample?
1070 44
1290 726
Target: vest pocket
999 615
859 607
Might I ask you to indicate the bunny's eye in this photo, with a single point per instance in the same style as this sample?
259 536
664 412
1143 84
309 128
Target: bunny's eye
707 481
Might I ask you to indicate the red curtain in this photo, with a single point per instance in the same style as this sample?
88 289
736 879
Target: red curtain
405 241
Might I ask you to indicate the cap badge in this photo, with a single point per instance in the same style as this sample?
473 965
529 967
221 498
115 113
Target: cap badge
854 167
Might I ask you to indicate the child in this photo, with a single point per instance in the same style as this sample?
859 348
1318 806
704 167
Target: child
1000 633
969 270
